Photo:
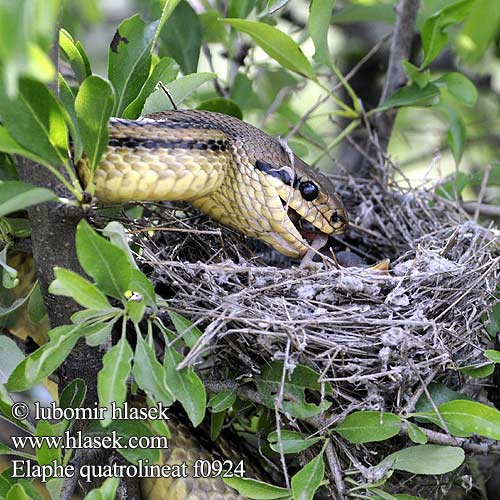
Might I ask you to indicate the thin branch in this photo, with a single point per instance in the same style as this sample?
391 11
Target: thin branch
482 192
401 44
486 448
487 210
336 469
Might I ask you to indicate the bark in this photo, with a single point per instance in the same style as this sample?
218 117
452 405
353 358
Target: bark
53 245
400 50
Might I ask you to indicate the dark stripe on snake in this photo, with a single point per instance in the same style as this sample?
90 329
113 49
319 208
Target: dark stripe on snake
152 143
280 173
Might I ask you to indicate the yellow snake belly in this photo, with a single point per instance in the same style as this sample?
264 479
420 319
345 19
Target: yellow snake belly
228 169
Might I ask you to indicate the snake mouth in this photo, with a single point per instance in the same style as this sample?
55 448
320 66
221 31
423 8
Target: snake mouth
307 230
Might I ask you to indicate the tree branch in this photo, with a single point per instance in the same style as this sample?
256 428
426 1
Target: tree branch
400 50
53 245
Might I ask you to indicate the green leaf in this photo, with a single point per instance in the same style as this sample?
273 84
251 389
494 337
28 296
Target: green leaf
54 487
116 234
36 306
135 308
165 71
17 492
168 8
6 403
216 423
492 355
105 262
73 285
429 459
112 379
68 101
434 36
412 95
149 374
106 492
221 105
291 441
179 90
139 284
130 59
73 55
421 78
258 490
73 395
493 322
243 94
294 393
320 14
276 44
10 357
36 121
222 401
307 481
26 33
356 13
465 418
460 87
381 494
439 394
18 195
482 370
480 29
185 328
240 8
9 274
416 434
8 313
452 189
10 146
213 30
46 359
100 333
369 426
456 137
93 108
185 385
46 454
401 496
181 37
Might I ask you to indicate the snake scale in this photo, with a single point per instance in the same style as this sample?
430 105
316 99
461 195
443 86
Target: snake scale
230 170
241 177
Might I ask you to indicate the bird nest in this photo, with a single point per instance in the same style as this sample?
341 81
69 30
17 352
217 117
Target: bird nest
376 336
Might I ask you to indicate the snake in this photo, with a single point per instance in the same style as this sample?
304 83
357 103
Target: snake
228 169
241 177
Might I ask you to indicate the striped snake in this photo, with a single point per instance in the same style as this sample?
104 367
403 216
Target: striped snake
238 175
230 170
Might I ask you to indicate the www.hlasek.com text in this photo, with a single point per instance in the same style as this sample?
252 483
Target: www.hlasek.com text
81 441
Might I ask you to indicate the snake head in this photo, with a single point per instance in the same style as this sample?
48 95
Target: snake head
307 196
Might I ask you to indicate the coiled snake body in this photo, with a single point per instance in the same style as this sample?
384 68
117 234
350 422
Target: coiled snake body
239 176
230 170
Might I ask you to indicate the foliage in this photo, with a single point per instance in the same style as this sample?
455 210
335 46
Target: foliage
267 66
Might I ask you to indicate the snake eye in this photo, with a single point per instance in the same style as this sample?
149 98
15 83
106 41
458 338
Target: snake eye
308 190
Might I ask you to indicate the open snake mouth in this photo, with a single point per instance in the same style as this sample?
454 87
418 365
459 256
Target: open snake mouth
307 230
